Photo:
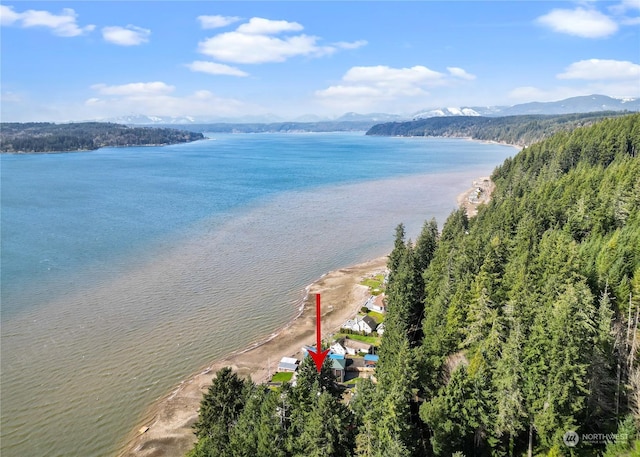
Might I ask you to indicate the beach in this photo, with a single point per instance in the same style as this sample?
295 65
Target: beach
479 193
166 428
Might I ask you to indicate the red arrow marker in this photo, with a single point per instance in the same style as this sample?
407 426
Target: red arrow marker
319 355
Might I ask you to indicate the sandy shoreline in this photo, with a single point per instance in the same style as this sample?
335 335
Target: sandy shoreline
165 429
479 192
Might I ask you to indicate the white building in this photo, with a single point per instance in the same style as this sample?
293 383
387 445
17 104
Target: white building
376 303
339 349
361 324
288 364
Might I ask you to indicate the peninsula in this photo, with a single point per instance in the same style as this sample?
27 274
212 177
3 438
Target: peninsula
42 137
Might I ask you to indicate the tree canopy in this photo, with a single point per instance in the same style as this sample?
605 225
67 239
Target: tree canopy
503 332
84 136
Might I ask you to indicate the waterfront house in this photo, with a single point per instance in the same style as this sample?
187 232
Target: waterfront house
360 324
379 304
376 303
354 347
338 367
367 324
288 364
337 348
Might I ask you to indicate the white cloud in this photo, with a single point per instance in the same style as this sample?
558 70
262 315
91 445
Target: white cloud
8 16
602 69
261 26
461 73
257 41
631 4
217 21
350 45
625 6
126 36
243 48
151 88
630 20
386 88
585 23
155 99
382 74
63 24
616 78
213 68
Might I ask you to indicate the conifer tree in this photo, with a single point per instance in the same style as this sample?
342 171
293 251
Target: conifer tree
221 406
398 252
426 245
328 429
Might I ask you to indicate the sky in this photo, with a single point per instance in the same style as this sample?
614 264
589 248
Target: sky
87 60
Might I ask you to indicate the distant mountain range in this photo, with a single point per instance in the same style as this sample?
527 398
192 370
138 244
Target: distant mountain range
142 119
582 104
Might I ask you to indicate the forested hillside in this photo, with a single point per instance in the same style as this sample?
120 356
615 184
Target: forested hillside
517 130
84 136
504 331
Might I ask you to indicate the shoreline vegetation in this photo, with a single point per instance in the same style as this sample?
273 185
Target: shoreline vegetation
45 137
166 427
518 130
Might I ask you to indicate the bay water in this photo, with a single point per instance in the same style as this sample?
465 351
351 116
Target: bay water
124 270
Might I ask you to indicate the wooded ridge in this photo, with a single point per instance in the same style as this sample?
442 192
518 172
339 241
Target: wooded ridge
37 137
516 130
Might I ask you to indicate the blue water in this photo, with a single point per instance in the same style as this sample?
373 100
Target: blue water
125 270
62 212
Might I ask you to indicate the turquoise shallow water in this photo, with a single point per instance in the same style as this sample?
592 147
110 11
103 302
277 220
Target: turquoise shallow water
125 270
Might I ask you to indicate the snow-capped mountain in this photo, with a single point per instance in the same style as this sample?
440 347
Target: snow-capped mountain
373 117
582 104
442 112
143 119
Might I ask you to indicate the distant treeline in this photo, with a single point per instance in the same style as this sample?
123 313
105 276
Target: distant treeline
49 137
282 127
517 130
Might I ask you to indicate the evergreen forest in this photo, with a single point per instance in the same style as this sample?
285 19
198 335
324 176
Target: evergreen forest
84 136
504 331
521 130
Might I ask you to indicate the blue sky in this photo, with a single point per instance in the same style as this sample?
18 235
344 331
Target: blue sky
100 59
